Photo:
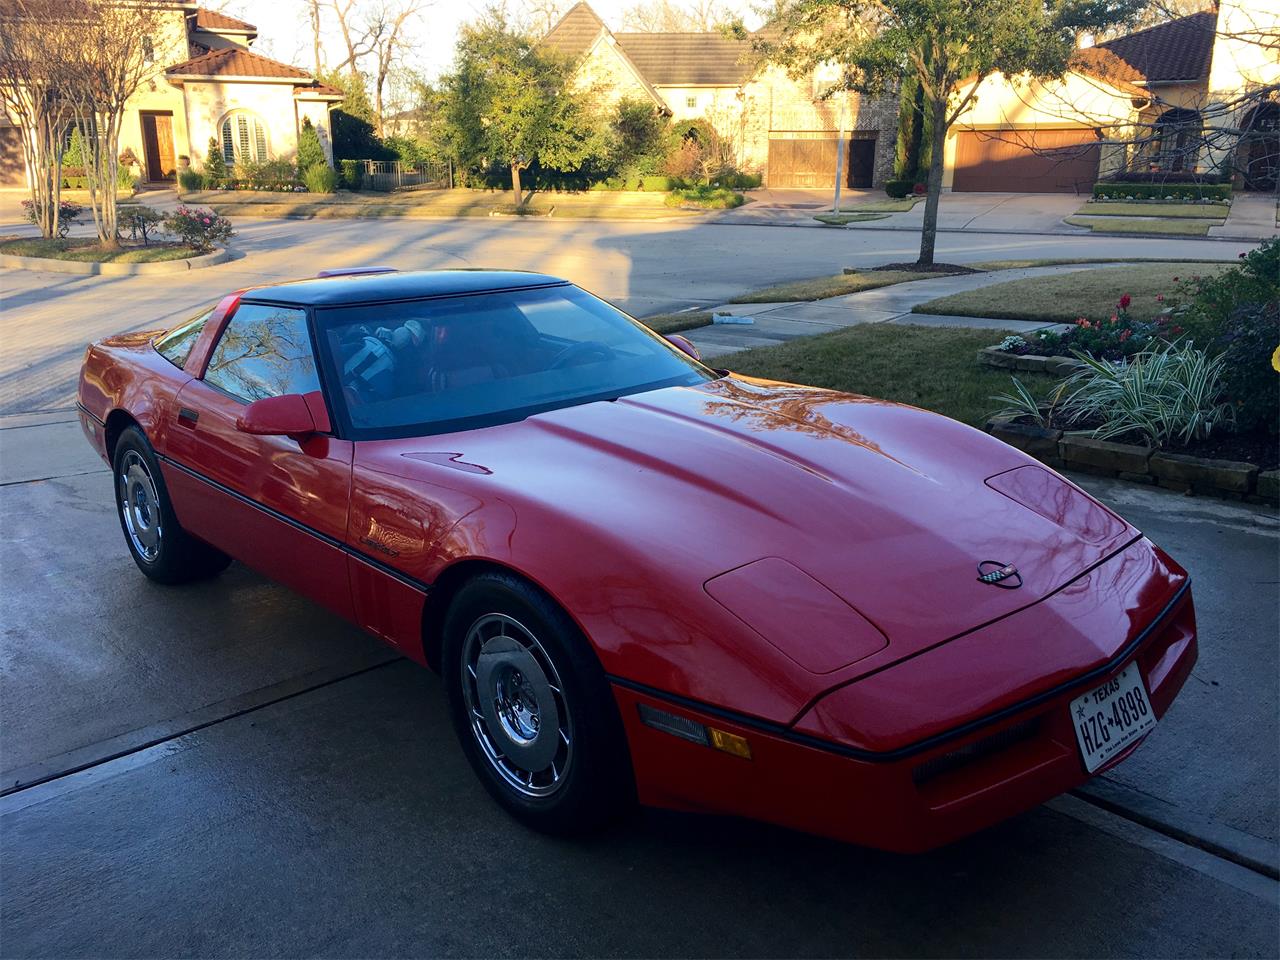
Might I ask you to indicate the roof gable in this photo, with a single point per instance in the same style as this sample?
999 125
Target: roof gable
576 32
215 22
1178 50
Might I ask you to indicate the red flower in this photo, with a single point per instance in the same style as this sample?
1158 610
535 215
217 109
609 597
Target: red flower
1175 279
1159 298
1126 335
1114 318
1125 301
1082 322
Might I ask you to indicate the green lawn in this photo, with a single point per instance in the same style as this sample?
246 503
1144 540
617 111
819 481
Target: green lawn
1066 261
1066 296
820 288
840 219
1186 228
887 205
675 322
1195 211
344 204
928 367
86 250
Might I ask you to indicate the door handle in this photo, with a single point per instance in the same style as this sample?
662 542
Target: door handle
188 417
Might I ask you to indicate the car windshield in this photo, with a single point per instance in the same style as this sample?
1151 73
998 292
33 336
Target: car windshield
438 365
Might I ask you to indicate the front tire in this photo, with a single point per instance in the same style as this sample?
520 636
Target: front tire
532 708
159 546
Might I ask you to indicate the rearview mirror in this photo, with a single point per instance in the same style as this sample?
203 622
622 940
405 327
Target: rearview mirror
685 344
290 415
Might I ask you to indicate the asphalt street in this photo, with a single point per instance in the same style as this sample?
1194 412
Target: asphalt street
226 770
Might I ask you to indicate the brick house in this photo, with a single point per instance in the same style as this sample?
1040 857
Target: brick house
780 127
208 83
1196 94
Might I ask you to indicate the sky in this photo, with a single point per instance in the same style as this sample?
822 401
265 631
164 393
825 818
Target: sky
285 33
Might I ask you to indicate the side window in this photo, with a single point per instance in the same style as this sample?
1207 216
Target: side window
175 346
263 352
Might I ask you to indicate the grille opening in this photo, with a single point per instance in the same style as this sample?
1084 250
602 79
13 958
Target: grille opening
945 763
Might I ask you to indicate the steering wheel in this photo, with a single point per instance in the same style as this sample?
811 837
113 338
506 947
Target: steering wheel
579 352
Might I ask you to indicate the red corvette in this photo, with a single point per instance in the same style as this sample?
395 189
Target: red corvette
642 578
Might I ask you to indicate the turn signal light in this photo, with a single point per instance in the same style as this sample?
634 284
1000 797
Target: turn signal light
694 732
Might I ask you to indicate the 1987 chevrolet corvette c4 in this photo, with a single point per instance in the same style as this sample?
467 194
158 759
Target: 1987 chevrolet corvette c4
642 578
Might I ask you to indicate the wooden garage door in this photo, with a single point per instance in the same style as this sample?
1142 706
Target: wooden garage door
1026 161
802 163
12 166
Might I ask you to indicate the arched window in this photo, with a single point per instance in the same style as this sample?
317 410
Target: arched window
1177 139
244 137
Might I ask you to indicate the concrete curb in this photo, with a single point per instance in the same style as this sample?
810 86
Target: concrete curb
91 269
1257 854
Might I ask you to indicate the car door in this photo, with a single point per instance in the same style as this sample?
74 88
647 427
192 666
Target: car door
275 503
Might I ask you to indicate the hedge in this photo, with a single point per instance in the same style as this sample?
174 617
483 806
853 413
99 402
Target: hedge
898 189
1161 191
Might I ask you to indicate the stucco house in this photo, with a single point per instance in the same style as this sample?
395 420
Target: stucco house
208 83
1194 95
780 127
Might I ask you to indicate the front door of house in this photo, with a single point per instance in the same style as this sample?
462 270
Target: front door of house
862 162
157 144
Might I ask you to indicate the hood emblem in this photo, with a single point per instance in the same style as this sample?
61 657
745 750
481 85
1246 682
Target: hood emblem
999 574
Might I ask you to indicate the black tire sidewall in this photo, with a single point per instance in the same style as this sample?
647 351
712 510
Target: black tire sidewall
598 785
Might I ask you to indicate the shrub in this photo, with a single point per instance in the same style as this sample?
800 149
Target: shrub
637 135
1161 191
190 180
709 198
215 171
198 229
743 181
310 152
1168 392
321 178
1255 279
68 212
1168 176
1251 384
898 189
143 223
349 175
659 184
265 175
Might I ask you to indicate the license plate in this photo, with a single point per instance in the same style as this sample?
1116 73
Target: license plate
1111 717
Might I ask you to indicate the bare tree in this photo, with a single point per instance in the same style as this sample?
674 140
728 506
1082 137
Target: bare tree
316 22
110 59
32 79
384 26
356 42
663 16
539 16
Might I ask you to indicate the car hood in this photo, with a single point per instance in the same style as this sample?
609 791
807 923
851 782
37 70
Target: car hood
890 507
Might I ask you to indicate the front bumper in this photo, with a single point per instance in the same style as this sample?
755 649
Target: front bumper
914 797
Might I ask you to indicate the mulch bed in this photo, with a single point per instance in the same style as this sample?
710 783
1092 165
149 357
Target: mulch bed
914 267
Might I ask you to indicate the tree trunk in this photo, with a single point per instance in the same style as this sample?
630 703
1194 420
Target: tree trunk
929 231
515 184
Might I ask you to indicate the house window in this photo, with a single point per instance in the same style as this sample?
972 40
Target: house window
244 137
691 101
1177 139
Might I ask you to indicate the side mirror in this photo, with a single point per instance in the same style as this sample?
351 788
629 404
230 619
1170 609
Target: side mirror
685 344
290 415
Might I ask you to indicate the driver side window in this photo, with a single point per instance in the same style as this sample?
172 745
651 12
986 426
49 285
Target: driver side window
264 351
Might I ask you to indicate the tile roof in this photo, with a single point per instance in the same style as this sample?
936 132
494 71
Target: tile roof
236 62
214 21
1178 50
676 59
319 90
576 31
1106 66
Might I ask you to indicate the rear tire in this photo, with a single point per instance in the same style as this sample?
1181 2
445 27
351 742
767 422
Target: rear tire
532 708
159 546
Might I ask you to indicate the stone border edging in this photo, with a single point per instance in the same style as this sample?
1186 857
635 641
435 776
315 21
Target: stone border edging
1227 479
92 268
1054 366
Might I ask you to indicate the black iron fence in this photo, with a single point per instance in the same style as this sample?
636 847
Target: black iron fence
388 175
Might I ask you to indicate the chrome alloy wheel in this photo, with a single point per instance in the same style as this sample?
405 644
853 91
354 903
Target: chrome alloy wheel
139 506
516 705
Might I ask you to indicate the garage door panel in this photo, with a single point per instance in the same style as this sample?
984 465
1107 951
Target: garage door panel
1026 161
802 161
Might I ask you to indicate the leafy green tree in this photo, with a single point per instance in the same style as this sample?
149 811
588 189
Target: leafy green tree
947 46
310 150
352 122
215 165
510 101
638 136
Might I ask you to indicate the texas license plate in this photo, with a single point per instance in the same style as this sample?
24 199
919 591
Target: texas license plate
1111 717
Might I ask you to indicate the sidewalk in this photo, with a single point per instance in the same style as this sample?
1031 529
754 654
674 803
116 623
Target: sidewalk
1252 215
776 323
